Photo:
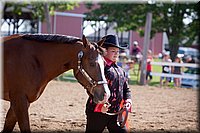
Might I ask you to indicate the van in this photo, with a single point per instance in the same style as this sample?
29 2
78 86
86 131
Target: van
191 83
187 51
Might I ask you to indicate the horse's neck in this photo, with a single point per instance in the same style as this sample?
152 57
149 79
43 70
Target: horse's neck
58 58
10 37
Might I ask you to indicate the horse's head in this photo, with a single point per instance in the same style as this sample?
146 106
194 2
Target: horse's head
90 71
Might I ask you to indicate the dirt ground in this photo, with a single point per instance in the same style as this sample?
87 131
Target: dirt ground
61 108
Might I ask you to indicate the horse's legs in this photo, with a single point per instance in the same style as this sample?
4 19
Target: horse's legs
10 121
20 106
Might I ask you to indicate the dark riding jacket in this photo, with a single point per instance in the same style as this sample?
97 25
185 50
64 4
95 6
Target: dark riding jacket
118 85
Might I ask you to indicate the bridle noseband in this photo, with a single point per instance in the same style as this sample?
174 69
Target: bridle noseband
80 69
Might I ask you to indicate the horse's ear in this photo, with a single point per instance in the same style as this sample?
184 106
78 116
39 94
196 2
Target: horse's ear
100 43
85 41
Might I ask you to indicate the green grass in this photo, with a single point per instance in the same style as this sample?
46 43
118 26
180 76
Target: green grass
134 73
67 74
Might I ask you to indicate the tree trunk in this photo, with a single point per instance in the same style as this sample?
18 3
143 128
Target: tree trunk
173 47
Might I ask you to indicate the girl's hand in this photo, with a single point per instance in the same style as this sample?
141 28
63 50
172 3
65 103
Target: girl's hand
104 108
128 104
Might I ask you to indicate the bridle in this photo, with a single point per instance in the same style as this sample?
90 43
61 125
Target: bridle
81 70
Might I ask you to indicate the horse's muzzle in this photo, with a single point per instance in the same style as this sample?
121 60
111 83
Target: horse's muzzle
101 94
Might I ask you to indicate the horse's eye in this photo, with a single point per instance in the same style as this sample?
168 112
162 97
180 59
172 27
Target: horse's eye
91 58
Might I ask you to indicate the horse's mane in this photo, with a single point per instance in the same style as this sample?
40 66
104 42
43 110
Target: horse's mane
51 38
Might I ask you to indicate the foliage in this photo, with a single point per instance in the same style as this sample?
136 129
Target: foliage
37 8
167 17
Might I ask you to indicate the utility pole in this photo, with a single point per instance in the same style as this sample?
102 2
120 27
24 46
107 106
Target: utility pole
145 48
47 17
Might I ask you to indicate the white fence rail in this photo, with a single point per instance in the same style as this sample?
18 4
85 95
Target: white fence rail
193 76
175 64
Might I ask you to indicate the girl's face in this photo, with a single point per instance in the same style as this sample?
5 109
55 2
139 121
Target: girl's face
112 53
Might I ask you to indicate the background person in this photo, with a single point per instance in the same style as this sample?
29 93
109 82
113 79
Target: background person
189 59
177 70
136 52
149 67
165 69
97 119
128 65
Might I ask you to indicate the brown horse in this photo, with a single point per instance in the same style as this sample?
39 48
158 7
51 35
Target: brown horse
31 61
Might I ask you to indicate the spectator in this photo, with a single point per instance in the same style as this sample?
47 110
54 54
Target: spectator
136 51
165 69
122 59
189 59
128 65
177 70
149 67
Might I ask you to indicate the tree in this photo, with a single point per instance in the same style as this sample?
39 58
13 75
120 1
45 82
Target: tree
167 17
37 10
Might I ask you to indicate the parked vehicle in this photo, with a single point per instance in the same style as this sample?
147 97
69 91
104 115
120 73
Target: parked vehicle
187 51
191 83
